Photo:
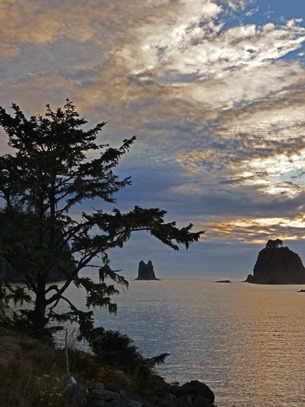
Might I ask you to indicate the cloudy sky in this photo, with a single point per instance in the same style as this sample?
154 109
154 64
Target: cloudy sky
214 91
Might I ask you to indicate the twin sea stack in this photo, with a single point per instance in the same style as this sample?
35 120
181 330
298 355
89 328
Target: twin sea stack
146 271
277 265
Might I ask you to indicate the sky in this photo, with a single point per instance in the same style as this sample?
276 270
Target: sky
214 92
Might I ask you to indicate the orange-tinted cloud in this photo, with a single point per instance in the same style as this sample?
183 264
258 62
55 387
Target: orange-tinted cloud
214 103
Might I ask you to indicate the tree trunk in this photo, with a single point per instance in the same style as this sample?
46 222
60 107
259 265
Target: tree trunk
39 316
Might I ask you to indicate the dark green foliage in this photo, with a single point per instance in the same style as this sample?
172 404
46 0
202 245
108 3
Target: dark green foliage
274 244
56 165
118 351
3 301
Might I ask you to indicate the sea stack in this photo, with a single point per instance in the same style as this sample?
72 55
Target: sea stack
277 265
146 271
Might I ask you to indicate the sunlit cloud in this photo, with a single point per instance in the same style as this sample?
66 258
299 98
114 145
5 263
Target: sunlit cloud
255 230
215 96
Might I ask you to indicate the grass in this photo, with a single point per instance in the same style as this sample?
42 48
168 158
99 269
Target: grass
33 374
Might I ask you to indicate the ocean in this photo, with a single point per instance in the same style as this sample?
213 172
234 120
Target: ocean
245 341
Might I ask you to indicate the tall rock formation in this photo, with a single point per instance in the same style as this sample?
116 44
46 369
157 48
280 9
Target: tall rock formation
146 271
277 265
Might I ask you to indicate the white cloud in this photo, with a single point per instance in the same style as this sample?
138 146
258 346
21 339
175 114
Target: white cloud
237 4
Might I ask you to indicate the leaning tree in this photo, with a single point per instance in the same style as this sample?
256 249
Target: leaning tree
56 165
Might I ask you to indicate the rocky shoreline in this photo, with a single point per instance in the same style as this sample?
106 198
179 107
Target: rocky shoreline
44 379
191 394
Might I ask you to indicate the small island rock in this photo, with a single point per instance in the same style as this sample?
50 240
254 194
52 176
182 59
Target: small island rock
146 271
277 265
223 281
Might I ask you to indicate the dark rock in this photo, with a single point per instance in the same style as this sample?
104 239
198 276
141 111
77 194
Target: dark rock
249 278
112 387
169 401
191 394
277 265
146 271
223 281
103 395
201 402
96 386
193 389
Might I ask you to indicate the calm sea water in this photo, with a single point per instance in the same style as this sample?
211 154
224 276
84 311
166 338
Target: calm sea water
246 342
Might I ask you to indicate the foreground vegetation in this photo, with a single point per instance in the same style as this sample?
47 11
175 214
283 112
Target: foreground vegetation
34 373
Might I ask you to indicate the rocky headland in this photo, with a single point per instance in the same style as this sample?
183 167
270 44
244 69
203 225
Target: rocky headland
276 264
10 275
146 271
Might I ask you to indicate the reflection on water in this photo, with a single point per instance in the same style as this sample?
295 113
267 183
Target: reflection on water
247 342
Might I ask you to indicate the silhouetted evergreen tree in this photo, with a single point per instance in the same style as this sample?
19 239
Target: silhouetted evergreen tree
56 165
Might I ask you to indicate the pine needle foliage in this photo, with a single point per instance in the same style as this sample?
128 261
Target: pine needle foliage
57 165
